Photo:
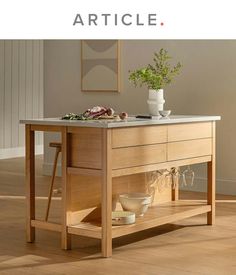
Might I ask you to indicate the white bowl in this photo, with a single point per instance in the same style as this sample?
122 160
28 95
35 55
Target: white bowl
122 217
135 202
165 113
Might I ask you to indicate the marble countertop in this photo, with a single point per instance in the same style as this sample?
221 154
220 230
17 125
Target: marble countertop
131 121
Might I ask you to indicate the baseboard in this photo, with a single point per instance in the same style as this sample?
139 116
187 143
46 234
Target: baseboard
16 152
48 167
223 186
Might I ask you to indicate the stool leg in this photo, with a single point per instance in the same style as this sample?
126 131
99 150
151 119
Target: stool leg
52 182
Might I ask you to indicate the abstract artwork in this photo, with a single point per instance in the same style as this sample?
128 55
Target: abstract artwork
100 65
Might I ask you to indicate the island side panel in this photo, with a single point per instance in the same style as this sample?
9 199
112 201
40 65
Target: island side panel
85 147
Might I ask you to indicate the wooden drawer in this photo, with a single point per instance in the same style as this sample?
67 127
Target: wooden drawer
189 131
137 156
124 137
189 149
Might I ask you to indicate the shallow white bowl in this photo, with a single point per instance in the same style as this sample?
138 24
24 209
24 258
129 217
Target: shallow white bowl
122 217
135 202
165 113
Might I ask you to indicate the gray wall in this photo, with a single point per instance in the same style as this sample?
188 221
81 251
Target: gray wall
206 85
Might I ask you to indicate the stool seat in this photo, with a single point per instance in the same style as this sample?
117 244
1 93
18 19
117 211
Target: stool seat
55 144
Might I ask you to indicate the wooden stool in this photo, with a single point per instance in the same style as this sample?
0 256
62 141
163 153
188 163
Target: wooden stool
56 145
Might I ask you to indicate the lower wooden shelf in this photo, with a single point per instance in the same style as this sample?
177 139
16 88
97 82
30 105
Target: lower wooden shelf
46 225
155 216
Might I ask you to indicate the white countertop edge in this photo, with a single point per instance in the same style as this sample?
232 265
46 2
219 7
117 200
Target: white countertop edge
117 124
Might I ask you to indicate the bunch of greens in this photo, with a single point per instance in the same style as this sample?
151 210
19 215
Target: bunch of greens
94 113
158 75
72 116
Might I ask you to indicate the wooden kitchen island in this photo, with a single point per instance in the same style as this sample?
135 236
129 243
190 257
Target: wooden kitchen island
101 159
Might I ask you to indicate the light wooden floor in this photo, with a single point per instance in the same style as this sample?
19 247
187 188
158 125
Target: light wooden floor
186 247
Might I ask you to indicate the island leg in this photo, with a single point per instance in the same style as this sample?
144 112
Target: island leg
211 181
65 237
106 195
30 182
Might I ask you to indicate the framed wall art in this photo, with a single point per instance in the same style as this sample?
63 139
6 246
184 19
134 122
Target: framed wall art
100 65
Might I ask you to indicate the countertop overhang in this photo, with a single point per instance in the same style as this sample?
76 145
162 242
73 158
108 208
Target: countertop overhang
130 122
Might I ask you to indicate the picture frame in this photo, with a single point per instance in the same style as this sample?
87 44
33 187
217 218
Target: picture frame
100 65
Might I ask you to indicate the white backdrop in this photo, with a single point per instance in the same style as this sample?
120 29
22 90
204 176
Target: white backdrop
183 19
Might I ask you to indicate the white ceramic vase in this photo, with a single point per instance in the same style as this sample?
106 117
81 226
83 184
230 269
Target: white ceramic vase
155 101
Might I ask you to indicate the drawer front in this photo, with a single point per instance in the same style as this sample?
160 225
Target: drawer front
189 149
137 156
134 136
189 131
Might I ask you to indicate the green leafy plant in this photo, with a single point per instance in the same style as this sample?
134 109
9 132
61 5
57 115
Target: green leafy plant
158 75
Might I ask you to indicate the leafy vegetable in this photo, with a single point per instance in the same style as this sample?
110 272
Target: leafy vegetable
72 116
94 113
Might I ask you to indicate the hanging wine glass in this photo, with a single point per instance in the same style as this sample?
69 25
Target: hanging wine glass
151 182
160 180
182 181
167 179
188 177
